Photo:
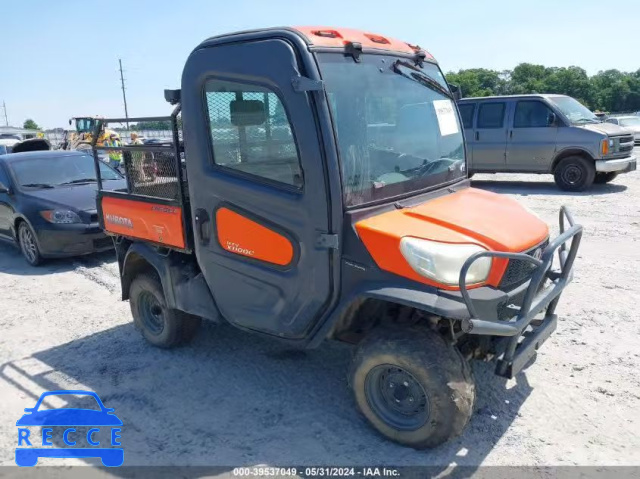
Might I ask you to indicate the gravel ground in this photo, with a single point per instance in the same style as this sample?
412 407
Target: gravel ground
230 398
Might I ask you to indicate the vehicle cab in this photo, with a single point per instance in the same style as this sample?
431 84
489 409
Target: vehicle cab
325 195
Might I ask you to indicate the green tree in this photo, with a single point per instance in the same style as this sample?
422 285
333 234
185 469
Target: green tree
29 124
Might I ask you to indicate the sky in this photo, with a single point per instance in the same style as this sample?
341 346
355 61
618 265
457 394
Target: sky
60 58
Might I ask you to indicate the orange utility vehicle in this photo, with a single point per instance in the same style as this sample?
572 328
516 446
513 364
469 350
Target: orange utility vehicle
320 191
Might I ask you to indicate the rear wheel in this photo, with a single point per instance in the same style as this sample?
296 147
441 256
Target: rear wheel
412 386
602 178
574 173
160 325
28 244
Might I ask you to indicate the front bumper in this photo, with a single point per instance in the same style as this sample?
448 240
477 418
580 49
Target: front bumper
57 241
621 165
535 319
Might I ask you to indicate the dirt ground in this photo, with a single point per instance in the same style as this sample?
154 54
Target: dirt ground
231 398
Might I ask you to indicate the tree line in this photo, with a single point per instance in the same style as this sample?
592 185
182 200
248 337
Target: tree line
607 91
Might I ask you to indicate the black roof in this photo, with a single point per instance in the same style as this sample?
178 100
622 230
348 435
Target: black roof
32 155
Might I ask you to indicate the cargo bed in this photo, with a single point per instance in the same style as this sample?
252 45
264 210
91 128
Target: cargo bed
155 205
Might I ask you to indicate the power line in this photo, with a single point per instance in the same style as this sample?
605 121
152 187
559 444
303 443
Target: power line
124 95
6 120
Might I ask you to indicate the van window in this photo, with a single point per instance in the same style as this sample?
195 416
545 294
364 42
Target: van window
491 115
466 113
251 133
531 114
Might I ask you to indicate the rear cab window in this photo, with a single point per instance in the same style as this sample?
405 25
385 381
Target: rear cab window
491 115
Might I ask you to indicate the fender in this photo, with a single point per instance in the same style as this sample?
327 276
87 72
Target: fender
445 304
183 284
569 151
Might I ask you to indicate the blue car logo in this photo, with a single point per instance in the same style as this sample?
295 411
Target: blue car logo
69 418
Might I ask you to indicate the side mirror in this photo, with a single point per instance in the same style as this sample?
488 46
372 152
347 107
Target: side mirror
456 91
247 113
552 119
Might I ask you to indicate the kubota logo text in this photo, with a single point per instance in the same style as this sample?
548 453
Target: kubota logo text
119 220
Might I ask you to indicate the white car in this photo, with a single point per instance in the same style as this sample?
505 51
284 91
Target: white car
8 141
630 122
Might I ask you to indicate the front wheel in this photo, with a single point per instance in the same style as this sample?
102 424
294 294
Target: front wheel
28 244
574 173
160 325
412 386
602 178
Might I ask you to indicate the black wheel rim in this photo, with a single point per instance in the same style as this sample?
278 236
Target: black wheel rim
28 244
397 398
572 175
151 313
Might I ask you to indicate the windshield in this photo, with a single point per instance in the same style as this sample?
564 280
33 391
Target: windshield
630 121
62 170
85 125
397 127
575 111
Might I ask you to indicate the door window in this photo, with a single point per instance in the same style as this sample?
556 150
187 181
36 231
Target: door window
251 132
466 113
531 114
491 115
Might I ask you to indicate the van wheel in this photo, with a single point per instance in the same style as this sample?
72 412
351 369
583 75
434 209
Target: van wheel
160 325
412 386
602 178
574 173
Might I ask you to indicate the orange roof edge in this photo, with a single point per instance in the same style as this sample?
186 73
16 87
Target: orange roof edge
337 37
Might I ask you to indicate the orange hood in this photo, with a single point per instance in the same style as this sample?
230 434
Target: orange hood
496 222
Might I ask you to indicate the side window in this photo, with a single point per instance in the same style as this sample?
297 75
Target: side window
531 114
491 115
251 133
466 113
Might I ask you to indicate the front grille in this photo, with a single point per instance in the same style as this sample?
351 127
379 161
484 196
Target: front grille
625 143
519 271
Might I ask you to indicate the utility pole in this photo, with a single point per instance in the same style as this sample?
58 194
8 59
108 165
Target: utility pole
124 95
6 120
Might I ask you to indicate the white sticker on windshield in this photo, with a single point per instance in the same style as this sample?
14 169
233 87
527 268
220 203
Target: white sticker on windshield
446 117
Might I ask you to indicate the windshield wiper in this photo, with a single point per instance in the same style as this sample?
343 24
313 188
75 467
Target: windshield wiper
586 120
38 185
80 180
418 76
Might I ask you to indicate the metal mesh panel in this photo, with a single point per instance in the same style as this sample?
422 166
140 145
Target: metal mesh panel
519 271
258 141
152 172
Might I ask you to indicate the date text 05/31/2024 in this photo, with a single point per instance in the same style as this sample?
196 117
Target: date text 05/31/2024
267 471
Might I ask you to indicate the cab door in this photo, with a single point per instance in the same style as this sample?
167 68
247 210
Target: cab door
257 186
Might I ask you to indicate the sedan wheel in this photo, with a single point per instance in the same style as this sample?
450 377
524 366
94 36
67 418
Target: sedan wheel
28 245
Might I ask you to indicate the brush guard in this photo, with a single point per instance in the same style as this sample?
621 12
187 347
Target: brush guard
525 332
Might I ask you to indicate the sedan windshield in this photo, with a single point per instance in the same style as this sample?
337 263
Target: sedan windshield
575 111
397 126
47 172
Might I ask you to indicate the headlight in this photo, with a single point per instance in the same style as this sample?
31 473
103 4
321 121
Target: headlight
60 216
442 262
